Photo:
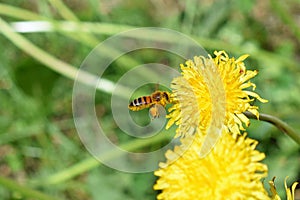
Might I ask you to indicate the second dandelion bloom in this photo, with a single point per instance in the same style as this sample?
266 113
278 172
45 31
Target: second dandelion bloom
232 170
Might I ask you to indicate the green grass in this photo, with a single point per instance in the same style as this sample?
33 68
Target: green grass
41 155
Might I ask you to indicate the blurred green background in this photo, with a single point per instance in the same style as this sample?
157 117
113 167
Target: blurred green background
39 145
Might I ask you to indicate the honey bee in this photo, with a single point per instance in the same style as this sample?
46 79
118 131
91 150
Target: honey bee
156 98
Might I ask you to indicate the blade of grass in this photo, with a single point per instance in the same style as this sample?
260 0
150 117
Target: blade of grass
190 11
67 14
124 61
64 11
24 190
52 62
23 14
20 13
68 70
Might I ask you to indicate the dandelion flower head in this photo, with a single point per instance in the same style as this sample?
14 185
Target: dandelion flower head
232 170
192 108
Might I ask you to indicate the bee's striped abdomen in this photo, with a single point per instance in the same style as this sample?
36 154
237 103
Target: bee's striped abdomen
140 103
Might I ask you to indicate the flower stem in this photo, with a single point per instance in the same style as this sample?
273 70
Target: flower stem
281 125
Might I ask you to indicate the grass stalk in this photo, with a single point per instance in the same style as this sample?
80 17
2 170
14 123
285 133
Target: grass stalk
50 61
24 191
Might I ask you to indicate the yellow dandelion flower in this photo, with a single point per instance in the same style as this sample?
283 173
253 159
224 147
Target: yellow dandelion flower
232 170
290 192
193 99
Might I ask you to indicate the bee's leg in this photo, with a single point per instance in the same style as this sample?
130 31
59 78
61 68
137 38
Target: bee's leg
154 111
